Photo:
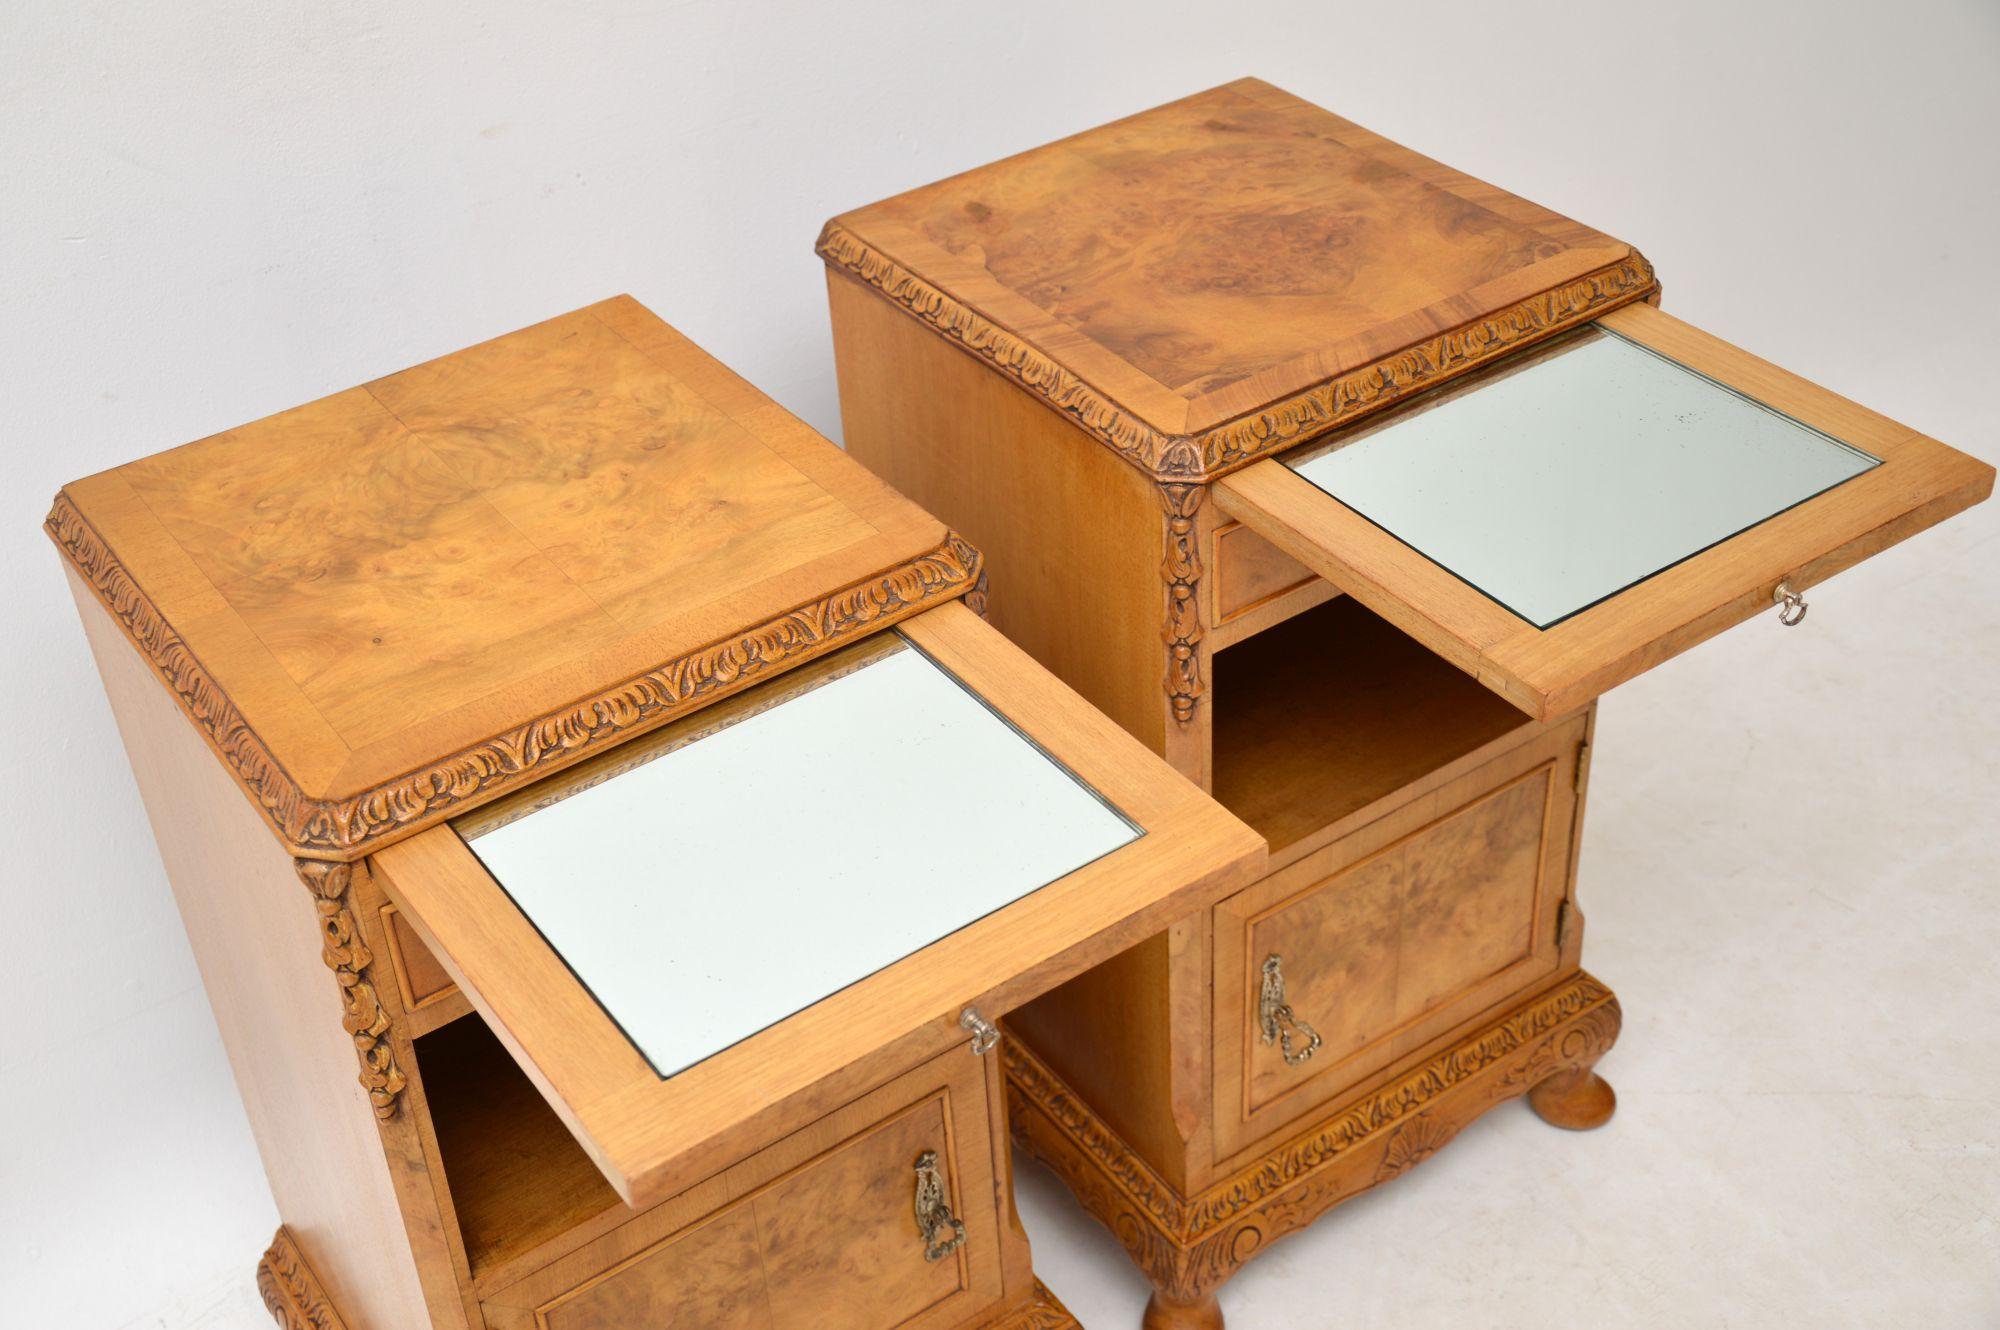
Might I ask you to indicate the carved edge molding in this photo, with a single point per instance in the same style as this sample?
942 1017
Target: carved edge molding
1128 436
975 599
344 828
1042 1311
364 1016
1180 570
291 1291
1188 1246
1205 455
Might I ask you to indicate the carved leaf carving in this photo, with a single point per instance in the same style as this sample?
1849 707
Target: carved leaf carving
1205 455
1189 1245
343 828
291 1291
364 1017
1181 571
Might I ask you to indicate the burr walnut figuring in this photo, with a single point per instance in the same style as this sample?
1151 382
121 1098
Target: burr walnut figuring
1347 483
671 834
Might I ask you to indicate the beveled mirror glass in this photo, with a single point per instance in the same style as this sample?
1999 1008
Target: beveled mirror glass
1580 471
716 877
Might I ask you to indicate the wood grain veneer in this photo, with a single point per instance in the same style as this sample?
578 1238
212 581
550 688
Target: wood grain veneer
1436 912
752 1247
1208 281
391 604
446 594
1093 357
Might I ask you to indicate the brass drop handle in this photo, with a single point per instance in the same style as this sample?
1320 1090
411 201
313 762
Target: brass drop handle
1275 1018
1791 605
943 1234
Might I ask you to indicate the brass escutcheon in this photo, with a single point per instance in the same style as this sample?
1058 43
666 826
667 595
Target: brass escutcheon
934 1216
1275 1018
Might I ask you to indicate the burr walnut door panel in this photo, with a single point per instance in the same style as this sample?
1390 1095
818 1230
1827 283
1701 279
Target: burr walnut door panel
1393 936
819 1231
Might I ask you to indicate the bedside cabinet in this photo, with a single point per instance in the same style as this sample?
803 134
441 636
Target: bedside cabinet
1347 483
609 843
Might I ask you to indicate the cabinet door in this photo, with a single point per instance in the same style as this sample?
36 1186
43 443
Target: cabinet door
820 1231
1392 937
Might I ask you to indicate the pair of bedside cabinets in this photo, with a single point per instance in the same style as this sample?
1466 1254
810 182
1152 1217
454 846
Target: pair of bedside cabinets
644 873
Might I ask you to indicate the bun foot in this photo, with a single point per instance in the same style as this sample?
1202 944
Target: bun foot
1576 1100
1164 1313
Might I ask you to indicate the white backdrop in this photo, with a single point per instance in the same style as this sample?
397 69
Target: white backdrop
213 211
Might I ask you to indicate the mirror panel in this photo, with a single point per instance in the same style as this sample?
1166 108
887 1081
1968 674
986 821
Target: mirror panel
729 871
1578 472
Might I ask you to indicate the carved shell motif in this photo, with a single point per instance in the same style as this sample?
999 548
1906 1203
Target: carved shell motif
1414 1141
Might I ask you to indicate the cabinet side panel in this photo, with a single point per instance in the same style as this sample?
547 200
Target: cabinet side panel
1076 546
1073 537
408 1141
1107 1034
256 937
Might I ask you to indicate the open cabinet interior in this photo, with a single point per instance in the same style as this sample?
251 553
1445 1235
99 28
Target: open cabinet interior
1335 708
517 1177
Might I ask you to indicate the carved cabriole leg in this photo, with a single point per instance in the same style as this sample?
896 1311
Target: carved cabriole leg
1164 1313
291 1290
1189 1245
366 1019
1578 1099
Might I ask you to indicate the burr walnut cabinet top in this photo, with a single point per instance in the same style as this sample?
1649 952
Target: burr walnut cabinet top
399 601
1227 274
